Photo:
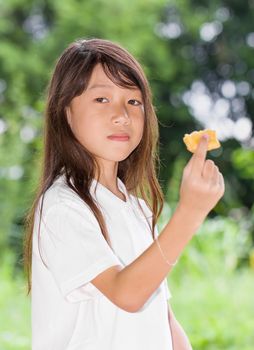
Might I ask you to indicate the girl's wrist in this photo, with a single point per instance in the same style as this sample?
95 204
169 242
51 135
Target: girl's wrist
193 217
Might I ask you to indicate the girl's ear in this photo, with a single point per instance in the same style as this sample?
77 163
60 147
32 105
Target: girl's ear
68 114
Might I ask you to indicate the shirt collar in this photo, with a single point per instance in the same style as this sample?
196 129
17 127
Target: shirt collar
103 195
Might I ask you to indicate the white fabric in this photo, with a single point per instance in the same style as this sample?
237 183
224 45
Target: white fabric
69 312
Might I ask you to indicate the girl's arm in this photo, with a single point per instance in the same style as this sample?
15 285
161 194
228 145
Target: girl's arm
130 287
179 338
201 187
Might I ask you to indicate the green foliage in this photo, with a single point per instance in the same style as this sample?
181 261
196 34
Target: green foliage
228 240
211 290
243 161
15 329
211 286
215 310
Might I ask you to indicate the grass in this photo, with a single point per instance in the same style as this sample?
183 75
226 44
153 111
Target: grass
215 311
15 310
212 287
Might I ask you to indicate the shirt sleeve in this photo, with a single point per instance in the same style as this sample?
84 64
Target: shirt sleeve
75 250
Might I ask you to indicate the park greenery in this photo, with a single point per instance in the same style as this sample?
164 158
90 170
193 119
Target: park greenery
198 57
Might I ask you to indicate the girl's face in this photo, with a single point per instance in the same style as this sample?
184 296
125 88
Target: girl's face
104 109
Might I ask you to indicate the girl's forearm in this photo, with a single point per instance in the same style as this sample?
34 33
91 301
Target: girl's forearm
137 281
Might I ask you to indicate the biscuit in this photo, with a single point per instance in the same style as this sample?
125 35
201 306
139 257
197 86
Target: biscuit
191 140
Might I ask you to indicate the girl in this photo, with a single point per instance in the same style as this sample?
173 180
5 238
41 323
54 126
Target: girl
92 252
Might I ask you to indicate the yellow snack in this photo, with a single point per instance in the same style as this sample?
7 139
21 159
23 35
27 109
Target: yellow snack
191 140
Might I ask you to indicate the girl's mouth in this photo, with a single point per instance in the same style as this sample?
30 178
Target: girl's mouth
119 138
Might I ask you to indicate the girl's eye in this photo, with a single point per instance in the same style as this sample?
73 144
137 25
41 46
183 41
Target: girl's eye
100 98
132 102
135 102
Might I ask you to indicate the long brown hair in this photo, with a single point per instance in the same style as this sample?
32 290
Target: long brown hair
63 153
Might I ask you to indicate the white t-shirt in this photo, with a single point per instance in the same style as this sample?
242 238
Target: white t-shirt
69 312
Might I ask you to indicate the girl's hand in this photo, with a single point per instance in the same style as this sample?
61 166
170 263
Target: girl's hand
202 183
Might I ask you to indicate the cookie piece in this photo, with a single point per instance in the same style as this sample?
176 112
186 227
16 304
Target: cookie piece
191 140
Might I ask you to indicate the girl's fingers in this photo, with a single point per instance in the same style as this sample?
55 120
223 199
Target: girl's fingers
218 182
212 175
215 175
209 170
216 178
198 158
221 182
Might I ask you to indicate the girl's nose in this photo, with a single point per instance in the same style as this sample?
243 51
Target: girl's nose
121 115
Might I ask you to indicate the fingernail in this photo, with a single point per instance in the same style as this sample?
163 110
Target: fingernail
205 136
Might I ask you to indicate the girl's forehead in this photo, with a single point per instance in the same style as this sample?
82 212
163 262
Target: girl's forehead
99 79
106 85
98 73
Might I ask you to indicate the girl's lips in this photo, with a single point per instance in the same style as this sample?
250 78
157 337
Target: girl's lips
119 138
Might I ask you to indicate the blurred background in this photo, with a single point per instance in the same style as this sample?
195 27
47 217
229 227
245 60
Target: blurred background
199 59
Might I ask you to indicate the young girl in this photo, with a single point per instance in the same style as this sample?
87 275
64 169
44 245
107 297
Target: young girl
97 270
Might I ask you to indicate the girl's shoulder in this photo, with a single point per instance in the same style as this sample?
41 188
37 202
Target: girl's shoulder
59 194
